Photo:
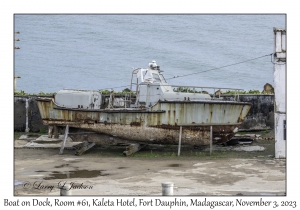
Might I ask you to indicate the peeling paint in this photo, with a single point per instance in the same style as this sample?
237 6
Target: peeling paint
280 92
162 126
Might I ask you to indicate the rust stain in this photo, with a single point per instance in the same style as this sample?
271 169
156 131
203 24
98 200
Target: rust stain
165 134
240 119
163 126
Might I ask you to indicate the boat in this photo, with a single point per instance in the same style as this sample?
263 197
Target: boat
153 111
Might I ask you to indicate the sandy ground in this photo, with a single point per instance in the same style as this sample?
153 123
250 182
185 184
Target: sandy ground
105 171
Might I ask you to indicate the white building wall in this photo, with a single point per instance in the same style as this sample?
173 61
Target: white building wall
280 135
280 88
280 92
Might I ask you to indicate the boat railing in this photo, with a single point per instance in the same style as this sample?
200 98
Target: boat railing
216 95
135 83
217 91
81 90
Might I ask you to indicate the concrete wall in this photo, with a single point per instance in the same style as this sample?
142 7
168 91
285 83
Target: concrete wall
19 114
34 121
260 116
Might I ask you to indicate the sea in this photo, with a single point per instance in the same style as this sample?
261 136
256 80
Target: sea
100 51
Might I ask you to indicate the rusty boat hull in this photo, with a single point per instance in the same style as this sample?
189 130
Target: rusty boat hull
158 124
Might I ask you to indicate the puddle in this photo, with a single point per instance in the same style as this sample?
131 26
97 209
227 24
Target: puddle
47 142
17 182
37 175
174 165
122 167
249 148
41 171
61 166
75 174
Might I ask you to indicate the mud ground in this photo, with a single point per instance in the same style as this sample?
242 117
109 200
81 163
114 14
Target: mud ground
230 170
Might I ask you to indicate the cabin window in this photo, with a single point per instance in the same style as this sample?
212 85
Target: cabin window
156 78
162 78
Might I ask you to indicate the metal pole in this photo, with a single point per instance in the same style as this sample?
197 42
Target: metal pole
179 142
27 107
50 129
211 137
65 190
147 96
65 139
167 188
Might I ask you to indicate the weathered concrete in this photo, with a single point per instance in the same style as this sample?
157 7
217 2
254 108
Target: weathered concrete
19 114
261 114
29 141
35 123
192 176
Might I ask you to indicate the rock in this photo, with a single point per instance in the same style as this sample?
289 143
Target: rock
268 89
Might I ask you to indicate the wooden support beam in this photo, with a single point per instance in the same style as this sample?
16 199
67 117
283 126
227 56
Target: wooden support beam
211 140
50 131
55 132
133 148
85 146
65 139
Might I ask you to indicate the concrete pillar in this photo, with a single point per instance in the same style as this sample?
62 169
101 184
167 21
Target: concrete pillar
280 92
167 188
65 190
